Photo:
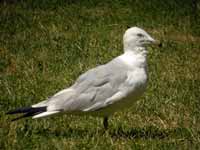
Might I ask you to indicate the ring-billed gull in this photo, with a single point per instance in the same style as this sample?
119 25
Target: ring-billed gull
105 89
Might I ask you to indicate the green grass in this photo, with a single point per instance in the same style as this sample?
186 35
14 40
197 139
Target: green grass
45 46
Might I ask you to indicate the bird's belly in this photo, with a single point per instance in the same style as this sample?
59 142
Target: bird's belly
134 86
122 104
137 88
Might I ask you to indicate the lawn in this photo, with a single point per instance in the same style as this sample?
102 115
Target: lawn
45 45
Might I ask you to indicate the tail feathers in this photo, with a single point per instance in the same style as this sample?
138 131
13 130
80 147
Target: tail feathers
28 111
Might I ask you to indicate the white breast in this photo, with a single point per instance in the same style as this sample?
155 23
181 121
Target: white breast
136 79
134 60
135 84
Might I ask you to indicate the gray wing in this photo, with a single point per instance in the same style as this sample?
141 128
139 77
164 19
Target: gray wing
92 91
99 85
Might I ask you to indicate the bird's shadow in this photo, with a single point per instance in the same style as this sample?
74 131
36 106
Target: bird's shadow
150 132
143 133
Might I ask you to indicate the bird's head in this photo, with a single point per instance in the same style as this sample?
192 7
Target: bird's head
135 37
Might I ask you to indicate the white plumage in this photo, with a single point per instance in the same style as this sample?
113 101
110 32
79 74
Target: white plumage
104 89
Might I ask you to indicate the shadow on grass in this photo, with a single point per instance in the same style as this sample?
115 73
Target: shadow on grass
149 132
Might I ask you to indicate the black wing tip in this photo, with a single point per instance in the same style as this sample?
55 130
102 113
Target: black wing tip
27 112
19 110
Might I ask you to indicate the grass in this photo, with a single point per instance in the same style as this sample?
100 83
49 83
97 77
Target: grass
45 46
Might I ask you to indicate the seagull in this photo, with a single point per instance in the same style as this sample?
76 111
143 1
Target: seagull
103 90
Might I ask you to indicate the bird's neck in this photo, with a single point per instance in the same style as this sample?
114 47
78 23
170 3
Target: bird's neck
135 57
138 50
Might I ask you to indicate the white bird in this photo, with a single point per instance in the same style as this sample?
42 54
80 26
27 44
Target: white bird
105 89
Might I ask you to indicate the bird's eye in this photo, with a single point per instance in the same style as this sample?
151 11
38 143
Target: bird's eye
140 35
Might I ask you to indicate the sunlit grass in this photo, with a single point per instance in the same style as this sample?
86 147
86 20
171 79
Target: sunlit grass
45 46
